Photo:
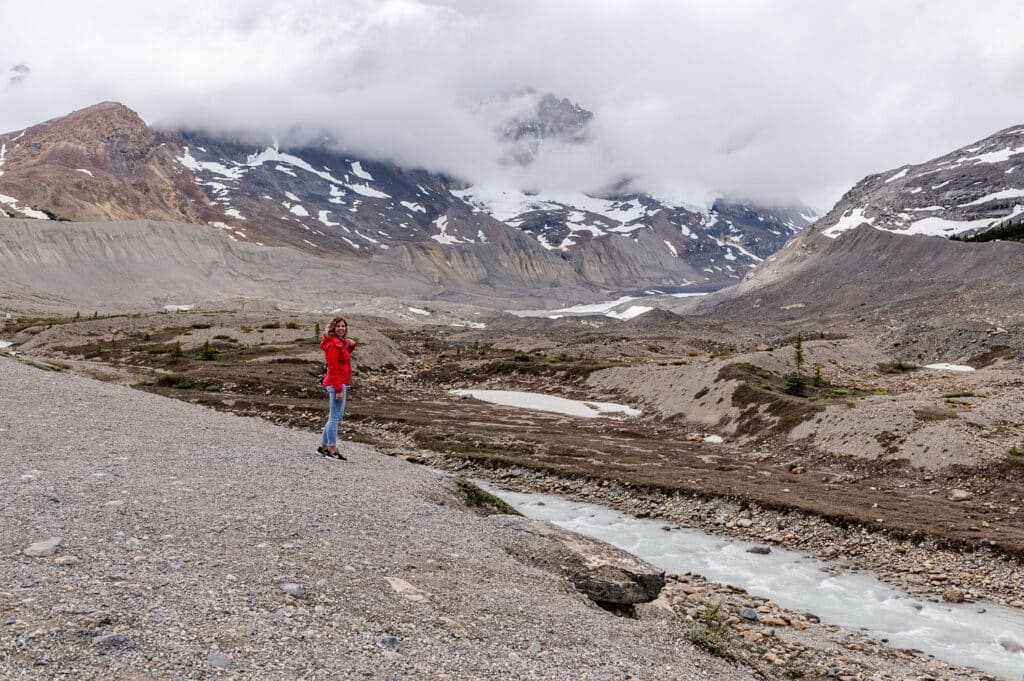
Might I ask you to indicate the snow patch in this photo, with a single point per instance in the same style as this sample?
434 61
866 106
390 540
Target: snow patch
417 310
992 156
27 212
630 312
549 403
444 237
851 219
357 170
995 196
368 191
898 175
322 216
942 366
413 207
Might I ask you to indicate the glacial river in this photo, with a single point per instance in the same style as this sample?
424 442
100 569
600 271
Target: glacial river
982 635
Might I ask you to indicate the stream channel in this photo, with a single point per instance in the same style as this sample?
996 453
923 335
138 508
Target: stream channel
982 635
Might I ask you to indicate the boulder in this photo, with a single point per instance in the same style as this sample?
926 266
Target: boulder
608 575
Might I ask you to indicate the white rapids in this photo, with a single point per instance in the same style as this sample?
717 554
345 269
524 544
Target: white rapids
982 635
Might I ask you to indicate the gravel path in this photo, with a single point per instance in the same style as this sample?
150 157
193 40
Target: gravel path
183 530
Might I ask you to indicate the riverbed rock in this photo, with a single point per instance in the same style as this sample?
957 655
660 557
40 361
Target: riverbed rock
953 595
608 575
958 495
760 550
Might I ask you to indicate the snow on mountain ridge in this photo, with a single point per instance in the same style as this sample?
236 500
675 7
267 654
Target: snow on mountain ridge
969 190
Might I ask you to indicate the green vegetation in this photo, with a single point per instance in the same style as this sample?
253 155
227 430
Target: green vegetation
1016 451
897 367
207 353
271 325
291 325
709 631
796 383
1011 231
483 501
960 393
176 350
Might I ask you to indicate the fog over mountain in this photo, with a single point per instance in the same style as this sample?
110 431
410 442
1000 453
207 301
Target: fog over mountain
753 100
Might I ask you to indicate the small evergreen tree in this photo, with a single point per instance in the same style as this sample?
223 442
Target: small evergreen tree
316 334
817 375
796 384
176 350
78 315
207 353
798 353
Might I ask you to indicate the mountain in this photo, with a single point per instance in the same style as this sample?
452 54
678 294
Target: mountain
967 191
879 257
105 163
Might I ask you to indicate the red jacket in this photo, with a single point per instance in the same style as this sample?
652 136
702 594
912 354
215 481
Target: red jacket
339 362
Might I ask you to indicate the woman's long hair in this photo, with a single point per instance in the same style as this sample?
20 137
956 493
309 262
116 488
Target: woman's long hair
334 325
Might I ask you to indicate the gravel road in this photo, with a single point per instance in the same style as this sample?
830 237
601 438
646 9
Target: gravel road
197 544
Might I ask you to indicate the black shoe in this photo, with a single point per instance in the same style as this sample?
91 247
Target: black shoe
337 455
323 451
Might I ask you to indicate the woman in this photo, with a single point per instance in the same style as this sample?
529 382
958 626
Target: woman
337 347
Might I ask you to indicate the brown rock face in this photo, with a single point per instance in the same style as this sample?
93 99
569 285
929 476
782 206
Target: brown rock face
100 163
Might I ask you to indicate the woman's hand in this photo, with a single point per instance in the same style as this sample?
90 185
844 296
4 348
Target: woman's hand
350 343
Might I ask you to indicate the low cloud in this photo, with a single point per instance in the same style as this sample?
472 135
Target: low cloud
766 100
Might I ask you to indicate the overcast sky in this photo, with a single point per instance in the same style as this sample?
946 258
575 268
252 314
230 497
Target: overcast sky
771 100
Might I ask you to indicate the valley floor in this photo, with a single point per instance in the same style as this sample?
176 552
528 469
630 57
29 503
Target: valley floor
881 514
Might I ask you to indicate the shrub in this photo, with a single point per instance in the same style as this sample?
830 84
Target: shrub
1016 451
796 385
291 325
176 350
207 353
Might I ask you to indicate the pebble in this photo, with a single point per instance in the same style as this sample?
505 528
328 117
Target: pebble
41 549
67 560
218 660
112 640
292 589
760 550
387 642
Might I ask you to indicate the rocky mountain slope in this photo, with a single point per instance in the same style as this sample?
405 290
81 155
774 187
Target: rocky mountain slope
880 255
966 191
60 267
105 163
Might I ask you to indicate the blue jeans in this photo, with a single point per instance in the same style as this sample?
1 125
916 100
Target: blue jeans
337 402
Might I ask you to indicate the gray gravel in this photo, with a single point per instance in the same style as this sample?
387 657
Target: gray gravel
186 522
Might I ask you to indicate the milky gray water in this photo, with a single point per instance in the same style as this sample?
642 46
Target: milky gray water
982 635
